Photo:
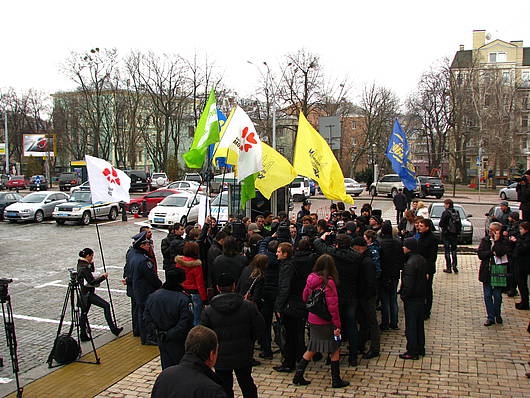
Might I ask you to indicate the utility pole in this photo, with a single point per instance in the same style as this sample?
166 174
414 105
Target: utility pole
6 140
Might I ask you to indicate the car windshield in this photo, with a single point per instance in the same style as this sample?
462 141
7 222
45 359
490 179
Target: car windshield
80 196
158 175
175 201
34 198
17 177
436 211
220 200
349 180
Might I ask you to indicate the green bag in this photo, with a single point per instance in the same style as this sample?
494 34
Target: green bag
498 274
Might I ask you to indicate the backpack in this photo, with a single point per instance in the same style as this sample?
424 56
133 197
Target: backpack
66 349
454 224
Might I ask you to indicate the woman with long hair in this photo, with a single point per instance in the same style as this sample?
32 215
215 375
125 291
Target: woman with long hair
324 334
252 279
88 283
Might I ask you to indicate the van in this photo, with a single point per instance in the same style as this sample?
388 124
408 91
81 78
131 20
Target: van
299 189
139 180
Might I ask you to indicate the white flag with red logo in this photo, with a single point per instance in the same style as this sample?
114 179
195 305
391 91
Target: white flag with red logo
239 138
107 183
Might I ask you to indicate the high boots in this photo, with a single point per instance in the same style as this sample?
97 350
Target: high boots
298 378
454 263
447 263
336 381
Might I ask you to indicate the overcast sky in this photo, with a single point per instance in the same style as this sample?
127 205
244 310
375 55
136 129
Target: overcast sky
387 42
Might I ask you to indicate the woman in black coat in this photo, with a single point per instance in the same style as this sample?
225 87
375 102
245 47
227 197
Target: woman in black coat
521 257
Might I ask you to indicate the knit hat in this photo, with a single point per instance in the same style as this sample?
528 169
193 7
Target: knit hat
176 275
359 241
411 244
504 203
225 279
377 219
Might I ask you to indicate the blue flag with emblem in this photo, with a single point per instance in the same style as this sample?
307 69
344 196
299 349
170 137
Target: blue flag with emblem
398 152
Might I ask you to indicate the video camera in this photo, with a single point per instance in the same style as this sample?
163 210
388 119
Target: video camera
73 275
4 288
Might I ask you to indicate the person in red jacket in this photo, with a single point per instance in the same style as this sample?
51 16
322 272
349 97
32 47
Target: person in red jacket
324 334
194 283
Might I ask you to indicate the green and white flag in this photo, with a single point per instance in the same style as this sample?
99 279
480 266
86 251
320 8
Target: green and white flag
206 133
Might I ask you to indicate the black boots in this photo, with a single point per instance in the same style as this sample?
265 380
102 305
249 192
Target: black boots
298 378
336 381
116 330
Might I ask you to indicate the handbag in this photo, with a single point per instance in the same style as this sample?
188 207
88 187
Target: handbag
316 303
248 294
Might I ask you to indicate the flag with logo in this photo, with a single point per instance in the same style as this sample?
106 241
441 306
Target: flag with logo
314 158
107 183
398 152
277 171
206 133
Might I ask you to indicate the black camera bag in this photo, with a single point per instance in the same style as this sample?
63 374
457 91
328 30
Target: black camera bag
66 349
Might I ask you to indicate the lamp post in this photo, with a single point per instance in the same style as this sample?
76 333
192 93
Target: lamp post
6 140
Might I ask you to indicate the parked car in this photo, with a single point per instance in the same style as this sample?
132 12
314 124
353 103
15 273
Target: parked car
4 178
38 183
159 180
83 187
508 193
68 180
389 185
35 207
491 212
151 200
139 180
299 189
6 199
430 186
193 177
177 208
16 182
79 208
352 187
191 186
466 234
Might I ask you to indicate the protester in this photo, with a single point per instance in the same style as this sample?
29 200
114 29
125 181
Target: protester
428 249
523 195
521 258
450 226
400 203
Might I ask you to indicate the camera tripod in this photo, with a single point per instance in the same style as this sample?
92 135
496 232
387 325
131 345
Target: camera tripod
9 326
73 296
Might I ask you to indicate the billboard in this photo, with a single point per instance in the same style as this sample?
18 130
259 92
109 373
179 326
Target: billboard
2 148
38 145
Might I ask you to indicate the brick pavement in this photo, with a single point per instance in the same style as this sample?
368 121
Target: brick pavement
464 358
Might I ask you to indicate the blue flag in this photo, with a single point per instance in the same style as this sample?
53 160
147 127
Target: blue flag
398 152
221 162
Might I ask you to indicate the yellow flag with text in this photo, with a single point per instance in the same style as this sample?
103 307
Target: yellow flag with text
314 158
277 171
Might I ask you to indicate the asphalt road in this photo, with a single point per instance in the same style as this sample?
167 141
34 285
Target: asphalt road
37 258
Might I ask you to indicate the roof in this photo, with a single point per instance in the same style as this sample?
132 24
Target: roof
462 59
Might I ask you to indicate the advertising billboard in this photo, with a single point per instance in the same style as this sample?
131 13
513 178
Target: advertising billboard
38 145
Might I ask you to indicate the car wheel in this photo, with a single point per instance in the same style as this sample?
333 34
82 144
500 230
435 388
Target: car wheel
184 220
85 219
134 209
60 222
113 214
356 194
373 191
39 216
503 196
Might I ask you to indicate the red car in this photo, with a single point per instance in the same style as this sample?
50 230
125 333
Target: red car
16 182
151 200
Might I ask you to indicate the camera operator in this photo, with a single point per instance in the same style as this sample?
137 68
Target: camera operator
523 195
88 283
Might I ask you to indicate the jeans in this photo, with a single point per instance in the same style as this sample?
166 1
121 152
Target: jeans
348 312
450 242
244 379
492 300
197 308
98 302
389 304
414 326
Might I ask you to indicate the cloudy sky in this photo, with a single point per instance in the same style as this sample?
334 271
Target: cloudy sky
387 42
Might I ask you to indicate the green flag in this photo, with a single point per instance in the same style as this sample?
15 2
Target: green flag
248 189
206 133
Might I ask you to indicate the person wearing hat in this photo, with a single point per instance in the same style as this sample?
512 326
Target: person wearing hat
305 210
374 223
168 309
238 324
144 281
413 287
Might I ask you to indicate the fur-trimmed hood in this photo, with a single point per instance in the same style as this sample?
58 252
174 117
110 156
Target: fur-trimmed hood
190 262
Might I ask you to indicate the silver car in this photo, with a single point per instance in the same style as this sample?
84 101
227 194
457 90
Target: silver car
509 193
435 212
352 187
35 207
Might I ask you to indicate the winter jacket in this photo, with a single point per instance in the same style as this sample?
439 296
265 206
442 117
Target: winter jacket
238 324
414 277
252 286
521 251
291 283
165 247
400 202
392 258
176 246
315 281
195 380
487 249
144 279
194 282
375 252
229 264
367 277
84 274
270 288
428 249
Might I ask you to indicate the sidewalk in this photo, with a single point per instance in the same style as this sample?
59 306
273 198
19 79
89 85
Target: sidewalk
464 358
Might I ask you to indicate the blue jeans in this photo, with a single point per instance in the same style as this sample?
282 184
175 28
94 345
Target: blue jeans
493 300
389 304
197 308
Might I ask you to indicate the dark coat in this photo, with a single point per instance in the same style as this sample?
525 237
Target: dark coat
392 258
165 248
84 274
195 380
252 286
428 249
486 250
176 246
367 279
230 264
238 324
144 279
270 288
521 251
444 221
400 202
413 277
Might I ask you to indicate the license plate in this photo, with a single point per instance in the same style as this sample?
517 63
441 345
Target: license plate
436 186
62 215
159 220
11 214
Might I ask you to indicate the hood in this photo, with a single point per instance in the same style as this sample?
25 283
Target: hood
227 303
187 261
314 281
21 206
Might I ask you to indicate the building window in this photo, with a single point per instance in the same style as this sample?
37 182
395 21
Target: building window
191 131
354 124
525 102
506 77
524 121
497 57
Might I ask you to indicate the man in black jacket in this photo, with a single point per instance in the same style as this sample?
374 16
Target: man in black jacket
165 245
169 309
449 232
400 203
413 281
195 374
523 195
238 324
428 249
177 244
348 263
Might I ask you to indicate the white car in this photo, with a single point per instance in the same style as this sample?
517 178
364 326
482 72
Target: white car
466 234
177 208
83 187
191 186
35 207
353 187
79 208
159 180
509 192
299 189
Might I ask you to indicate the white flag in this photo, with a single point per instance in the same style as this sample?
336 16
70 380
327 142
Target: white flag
107 184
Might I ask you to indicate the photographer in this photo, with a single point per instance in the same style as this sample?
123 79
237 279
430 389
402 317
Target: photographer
88 283
523 195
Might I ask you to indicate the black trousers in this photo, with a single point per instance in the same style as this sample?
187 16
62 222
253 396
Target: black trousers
267 310
414 329
428 294
244 379
94 299
295 343
522 270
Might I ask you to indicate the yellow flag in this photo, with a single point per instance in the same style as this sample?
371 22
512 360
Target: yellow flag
277 171
313 158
